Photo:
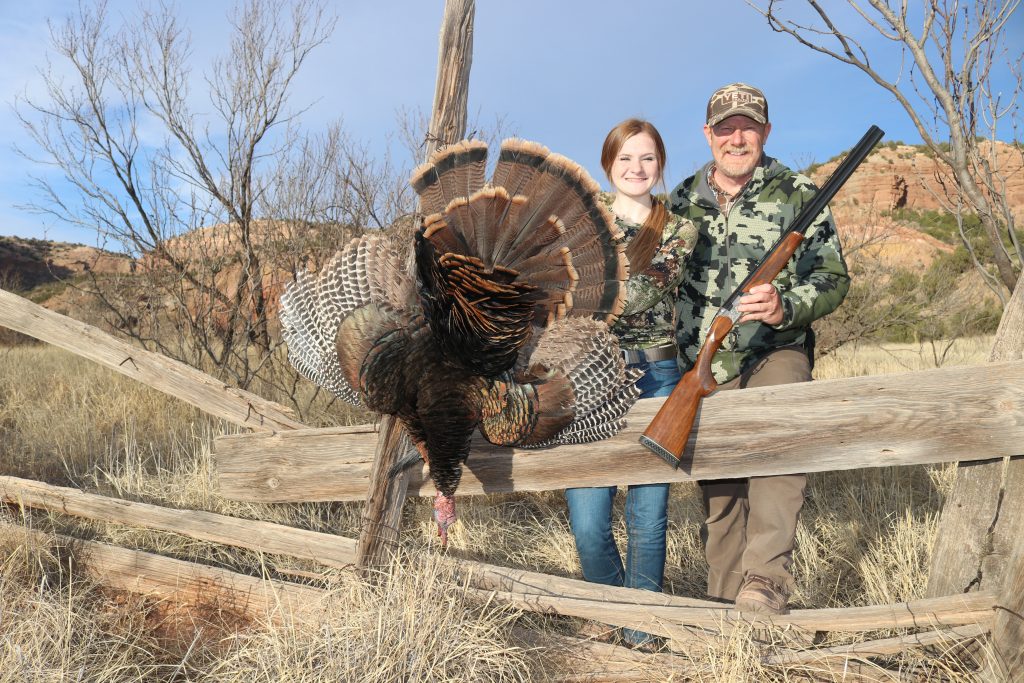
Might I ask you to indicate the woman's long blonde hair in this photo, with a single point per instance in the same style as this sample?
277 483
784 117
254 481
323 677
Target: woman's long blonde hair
642 247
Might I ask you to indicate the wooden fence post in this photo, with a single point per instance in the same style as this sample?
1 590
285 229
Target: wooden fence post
383 510
984 514
451 92
1008 626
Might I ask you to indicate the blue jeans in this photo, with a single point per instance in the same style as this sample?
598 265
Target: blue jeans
590 515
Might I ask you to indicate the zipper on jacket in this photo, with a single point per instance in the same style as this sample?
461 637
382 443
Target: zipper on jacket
734 332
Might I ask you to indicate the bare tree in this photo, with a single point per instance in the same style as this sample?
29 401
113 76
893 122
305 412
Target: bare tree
217 194
947 91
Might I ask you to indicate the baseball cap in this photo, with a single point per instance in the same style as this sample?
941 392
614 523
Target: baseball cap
737 98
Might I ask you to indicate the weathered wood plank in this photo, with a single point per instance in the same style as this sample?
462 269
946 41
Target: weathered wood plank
967 413
329 550
963 539
382 513
1009 341
504 579
880 647
326 549
258 599
152 369
161 577
449 114
192 583
575 660
675 622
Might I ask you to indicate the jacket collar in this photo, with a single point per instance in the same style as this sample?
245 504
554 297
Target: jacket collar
701 193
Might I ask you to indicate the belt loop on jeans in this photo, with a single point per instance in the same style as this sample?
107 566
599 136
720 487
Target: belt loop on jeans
656 353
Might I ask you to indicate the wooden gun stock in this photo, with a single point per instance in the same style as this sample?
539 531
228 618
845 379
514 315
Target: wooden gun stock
670 429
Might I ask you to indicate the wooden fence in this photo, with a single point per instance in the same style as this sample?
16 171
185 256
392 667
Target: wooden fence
971 413
685 621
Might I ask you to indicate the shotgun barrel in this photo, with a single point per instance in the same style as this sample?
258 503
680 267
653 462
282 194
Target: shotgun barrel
669 431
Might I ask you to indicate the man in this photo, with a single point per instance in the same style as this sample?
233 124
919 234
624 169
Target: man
740 202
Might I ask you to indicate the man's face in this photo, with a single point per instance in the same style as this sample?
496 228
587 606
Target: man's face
736 145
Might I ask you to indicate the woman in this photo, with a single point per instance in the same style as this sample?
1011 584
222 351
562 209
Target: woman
633 158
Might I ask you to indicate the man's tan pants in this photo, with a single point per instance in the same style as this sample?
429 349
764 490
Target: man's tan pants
751 523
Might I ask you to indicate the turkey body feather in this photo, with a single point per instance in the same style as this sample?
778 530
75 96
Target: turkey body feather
499 322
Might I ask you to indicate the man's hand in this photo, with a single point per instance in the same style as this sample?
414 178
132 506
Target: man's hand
761 303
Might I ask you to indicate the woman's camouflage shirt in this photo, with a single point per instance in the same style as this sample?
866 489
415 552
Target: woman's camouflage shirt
648 320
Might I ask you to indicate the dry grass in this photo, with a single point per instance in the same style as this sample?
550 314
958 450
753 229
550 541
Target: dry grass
421 626
865 537
893 359
57 628
60 415
418 626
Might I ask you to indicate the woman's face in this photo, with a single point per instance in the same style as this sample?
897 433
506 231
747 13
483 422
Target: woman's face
635 169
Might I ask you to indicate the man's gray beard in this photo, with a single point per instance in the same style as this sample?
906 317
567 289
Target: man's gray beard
728 169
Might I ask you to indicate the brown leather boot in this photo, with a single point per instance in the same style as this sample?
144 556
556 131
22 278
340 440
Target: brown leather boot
761 594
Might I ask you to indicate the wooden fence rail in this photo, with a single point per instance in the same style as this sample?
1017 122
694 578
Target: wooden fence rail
268 601
153 369
964 413
1008 629
382 511
179 580
971 414
675 622
883 646
326 549
261 600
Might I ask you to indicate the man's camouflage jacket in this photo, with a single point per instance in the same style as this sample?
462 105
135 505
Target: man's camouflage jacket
728 248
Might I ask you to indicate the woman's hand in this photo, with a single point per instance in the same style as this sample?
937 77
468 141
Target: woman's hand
761 303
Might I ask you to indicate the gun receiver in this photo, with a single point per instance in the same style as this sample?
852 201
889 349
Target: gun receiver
669 431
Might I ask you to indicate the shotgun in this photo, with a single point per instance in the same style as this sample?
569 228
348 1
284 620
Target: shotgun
670 429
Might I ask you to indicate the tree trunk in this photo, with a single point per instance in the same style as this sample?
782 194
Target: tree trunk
382 514
976 196
984 515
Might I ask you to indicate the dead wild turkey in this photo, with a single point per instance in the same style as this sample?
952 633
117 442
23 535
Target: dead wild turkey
502 326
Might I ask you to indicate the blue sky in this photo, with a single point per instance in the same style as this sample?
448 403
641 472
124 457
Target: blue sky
561 73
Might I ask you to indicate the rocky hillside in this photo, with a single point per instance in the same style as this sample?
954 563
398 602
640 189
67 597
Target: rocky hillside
894 177
28 263
897 176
